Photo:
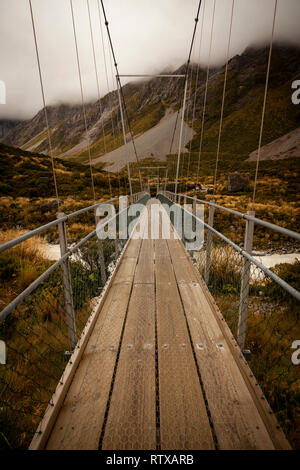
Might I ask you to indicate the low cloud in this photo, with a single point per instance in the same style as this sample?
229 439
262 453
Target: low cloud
148 37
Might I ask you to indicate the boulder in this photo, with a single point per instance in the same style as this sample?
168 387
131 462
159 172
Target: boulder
237 182
49 206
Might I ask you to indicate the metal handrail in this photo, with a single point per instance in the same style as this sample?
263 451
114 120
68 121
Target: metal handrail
264 223
15 241
12 305
271 274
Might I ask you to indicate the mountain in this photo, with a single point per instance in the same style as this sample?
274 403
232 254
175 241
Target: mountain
284 147
6 125
29 175
148 102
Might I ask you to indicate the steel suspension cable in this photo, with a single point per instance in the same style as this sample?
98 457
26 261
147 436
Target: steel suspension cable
44 102
205 93
264 103
97 82
110 101
223 97
120 86
196 85
190 108
82 99
190 74
173 137
106 74
114 84
185 84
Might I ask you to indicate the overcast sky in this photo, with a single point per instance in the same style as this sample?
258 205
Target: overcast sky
148 35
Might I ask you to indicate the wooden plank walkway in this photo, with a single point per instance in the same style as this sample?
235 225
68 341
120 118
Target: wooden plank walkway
160 369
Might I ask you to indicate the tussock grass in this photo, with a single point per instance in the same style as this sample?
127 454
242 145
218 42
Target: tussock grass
272 327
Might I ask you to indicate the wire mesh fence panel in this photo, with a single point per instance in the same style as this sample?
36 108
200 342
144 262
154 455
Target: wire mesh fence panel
271 324
36 338
222 271
272 328
37 335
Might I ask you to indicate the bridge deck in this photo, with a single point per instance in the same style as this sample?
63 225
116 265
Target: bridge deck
160 369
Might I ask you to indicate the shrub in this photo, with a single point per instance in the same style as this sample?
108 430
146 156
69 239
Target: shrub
290 273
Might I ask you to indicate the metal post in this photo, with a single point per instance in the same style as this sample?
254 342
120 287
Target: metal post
194 213
209 243
166 177
180 135
116 249
248 245
140 177
100 253
124 136
68 294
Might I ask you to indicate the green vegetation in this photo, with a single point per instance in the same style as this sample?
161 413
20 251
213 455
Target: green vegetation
27 188
26 184
36 333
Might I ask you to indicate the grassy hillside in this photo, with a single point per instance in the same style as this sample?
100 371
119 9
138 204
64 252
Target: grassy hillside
26 185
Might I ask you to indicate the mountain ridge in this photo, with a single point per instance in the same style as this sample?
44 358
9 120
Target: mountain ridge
148 101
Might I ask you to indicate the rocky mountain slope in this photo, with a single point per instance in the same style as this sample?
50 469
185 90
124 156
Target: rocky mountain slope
147 102
284 147
6 125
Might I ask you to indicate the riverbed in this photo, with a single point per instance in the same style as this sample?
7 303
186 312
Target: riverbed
52 252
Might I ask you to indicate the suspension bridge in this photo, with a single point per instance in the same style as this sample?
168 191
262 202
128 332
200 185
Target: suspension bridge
146 345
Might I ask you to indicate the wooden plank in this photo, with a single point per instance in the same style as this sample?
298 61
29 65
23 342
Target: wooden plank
131 422
46 425
275 432
161 249
145 268
183 266
184 423
126 271
236 420
133 249
80 420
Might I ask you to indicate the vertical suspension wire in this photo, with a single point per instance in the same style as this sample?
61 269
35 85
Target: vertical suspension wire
264 103
110 104
106 72
97 82
223 98
189 100
111 57
185 93
114 84
44 102
130 132
205 93
173 172
190 107
82 99
196 84
121 99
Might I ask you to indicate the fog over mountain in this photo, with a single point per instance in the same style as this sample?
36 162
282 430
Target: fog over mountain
149 36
